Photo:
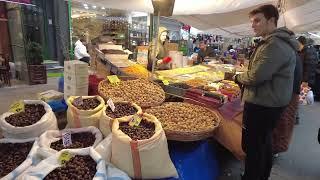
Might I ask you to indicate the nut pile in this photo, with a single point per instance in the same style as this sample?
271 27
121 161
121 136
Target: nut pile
87 104
142 92
121 109
145 130
32 113
79 167
79 140
112 51
184 117
12 155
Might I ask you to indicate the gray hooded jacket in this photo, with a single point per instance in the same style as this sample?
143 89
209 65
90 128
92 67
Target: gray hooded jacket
269 79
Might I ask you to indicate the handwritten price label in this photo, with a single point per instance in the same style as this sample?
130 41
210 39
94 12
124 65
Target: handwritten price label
135 120
165 82
66 139
113 79
17 107
64 157
111 105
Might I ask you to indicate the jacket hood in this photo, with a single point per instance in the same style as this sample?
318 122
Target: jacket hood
161 30
286 35
78 43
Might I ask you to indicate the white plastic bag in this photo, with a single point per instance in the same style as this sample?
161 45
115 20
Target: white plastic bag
51 163
31 158
105 123
104 148
310 98
142 159
83 118
52 136
47 122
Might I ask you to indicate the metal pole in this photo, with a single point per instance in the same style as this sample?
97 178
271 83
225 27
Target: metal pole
156 43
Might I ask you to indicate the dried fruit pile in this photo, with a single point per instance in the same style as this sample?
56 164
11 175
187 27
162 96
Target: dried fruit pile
86 104
32 114
12 155
79 167
184 117
79 140
142 92
121 109
145 130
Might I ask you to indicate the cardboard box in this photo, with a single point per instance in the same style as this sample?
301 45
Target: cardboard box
75 67
80 80
50 95
70 90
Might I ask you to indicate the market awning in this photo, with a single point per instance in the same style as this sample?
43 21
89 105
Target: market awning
226 17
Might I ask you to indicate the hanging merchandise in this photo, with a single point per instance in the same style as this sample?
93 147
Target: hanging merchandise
80 163
139 147
35 118
52 141
122 109
16 156
84 111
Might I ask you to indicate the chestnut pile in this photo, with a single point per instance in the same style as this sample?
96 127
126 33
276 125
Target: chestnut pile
79 140
121 109
32 114
145 130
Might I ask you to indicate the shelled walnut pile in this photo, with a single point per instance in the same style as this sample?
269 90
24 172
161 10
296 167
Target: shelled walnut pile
184 117
142 92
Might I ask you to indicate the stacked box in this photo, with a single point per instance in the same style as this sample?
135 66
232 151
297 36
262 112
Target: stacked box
75 78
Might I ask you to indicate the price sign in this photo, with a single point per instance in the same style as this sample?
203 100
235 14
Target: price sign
17 107
64 157
111 105
78 101
135 120
113 79
66 139
165 82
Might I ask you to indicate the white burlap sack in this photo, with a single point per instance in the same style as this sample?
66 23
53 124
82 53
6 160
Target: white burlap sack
51 163
47 122
104 148
82 118
142 159
31 158
105 124
52 136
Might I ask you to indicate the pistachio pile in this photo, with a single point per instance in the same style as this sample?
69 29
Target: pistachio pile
142 92
184 117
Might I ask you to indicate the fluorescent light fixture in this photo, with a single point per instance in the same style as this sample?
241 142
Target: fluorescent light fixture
94 7
103 8
85 4
86 7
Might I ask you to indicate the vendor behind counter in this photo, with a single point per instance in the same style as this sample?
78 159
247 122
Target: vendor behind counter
204 52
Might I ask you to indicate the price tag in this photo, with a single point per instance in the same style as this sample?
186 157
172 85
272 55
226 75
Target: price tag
17 107
78 101
113 79
165 82
111 105
64 157
135 120
66 139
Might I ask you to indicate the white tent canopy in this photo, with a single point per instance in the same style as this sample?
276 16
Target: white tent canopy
226 17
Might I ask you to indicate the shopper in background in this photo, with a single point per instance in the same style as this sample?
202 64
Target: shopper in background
310 60
268 86
204 52
80 51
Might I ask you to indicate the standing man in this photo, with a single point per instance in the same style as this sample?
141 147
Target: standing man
204 52
268 86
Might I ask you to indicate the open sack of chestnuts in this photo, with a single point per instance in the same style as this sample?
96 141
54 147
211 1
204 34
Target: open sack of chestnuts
78 164
51 142
122 109
141 149
16 155
36 118
84 111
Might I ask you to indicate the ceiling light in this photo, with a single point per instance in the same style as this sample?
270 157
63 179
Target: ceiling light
103 8
85 5
94 7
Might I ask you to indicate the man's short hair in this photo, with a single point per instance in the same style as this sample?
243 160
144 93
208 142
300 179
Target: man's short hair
202 42
269 11
302 40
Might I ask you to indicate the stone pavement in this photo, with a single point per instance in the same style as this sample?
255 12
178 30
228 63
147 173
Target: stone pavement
301 162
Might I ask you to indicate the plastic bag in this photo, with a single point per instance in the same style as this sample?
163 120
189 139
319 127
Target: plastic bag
31 158
47 122
52 136
51 163
310 98
142 159
104 148
83 118
105 123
